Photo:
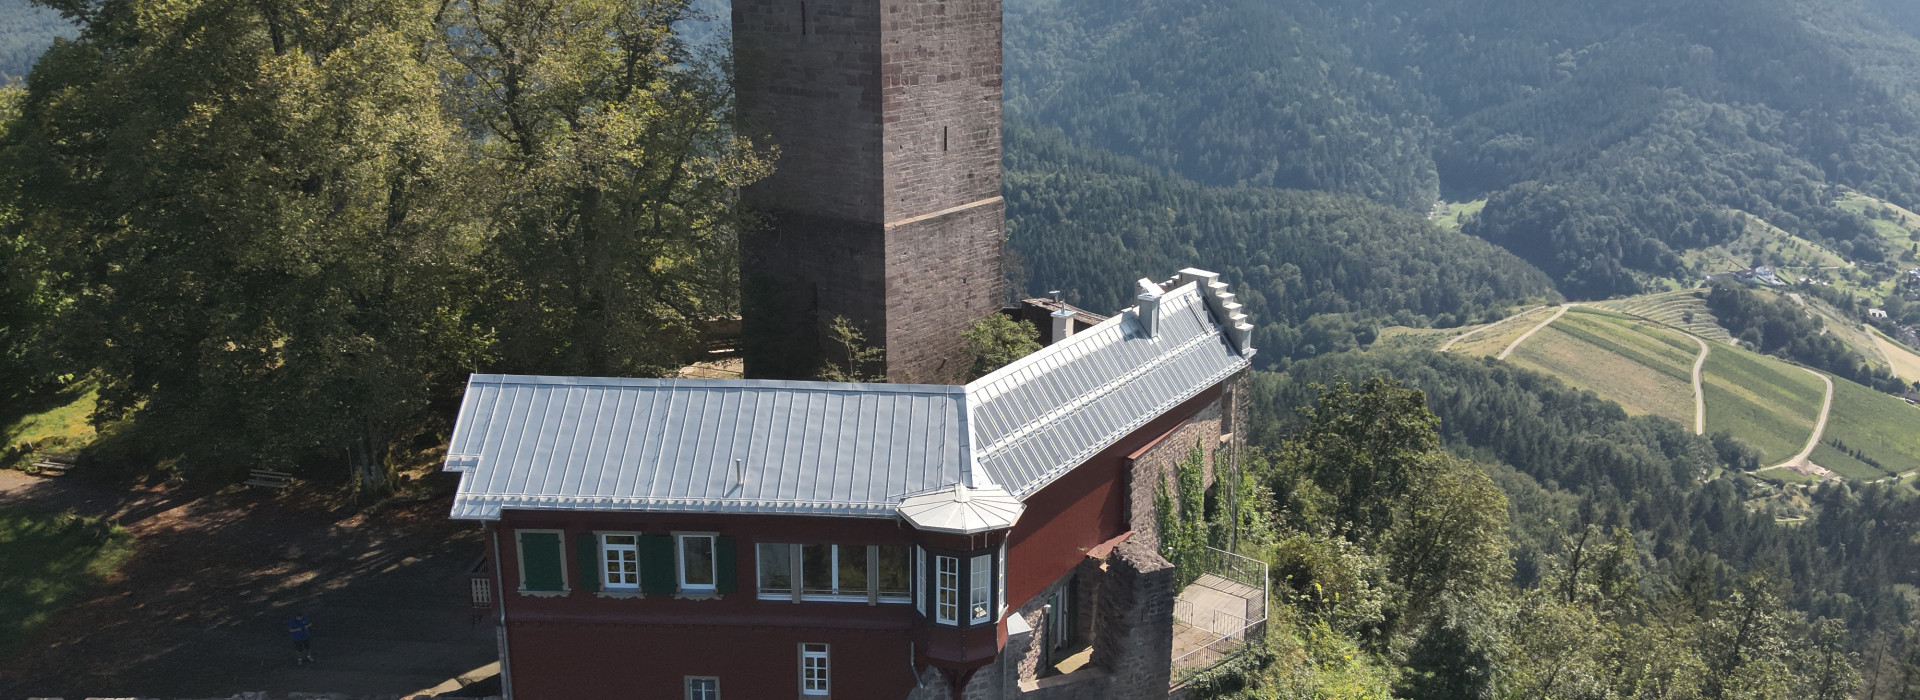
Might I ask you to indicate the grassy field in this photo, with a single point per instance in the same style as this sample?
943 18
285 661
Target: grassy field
1404 338
1906 362
1761 243
46 560
1883 428
1634 363
1899 226
1768 403
1497 337
1681 309
1459 212
57 420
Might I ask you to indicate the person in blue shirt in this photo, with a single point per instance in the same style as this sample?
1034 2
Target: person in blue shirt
302 630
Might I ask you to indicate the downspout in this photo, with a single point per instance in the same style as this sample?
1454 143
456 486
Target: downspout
500 598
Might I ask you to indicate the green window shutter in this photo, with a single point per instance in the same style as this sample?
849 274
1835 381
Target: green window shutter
540 559
656 564
726 567
587 546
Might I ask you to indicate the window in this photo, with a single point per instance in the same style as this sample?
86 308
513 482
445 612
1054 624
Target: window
703 688
946 586
696 563
541 565
892 573
776 570
980 602
813 669
620 561
920 580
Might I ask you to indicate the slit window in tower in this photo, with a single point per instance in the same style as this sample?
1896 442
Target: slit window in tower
803 19
943 139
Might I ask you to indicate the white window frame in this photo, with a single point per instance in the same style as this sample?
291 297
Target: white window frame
873 577
607 548
713 561
946 585
920 579
1003 578
810 655
980 607
690 680
793 568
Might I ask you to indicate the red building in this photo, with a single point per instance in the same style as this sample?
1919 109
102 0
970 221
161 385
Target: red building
704 539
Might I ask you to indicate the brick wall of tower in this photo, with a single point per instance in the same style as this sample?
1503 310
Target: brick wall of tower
940 104
942 273
817 95
884 203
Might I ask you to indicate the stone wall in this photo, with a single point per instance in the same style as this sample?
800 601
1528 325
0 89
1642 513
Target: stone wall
1154 466
1127 609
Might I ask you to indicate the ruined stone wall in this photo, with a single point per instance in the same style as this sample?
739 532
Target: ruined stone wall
1127 609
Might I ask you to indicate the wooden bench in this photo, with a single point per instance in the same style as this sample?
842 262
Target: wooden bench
53 464
270 479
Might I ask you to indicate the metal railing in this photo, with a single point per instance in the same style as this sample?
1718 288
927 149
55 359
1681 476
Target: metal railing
1226 632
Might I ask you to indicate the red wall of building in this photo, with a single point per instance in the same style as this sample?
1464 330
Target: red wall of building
582 645
1086 507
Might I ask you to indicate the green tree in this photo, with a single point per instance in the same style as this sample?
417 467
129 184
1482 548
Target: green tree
1363 449
613 162
258 213
850 358
1448 536
1745 643
996 341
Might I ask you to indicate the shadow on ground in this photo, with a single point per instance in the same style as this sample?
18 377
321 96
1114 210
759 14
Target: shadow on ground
199 609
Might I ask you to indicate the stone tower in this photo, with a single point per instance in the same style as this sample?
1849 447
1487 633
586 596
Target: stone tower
885 205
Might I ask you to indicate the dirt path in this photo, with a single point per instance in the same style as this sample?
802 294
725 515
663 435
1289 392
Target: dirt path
1880 344
1699 391
1819 426
1536 329
199 609
1463 336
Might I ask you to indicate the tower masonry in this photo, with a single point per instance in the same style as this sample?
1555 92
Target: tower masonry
884 206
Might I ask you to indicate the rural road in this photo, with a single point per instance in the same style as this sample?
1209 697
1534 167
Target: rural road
1463 336
1536 329
1819 426
1699 391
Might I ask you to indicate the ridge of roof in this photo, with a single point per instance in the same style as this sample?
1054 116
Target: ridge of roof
684 382
540 442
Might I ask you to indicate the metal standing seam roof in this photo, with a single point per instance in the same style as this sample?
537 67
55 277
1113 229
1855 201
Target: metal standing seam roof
815 448
1047 413
822 448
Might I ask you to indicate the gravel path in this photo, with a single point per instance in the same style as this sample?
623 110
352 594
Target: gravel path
1819 426
1699 391
1536 329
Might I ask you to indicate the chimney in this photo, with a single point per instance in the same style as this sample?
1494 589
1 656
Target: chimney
1149 310
1062 324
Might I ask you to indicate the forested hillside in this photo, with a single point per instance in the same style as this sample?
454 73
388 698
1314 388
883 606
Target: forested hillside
1630 561
1318 272
1608 137
25 31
